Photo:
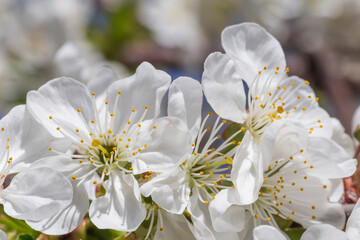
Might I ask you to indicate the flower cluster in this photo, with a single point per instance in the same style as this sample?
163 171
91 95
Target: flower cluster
134 155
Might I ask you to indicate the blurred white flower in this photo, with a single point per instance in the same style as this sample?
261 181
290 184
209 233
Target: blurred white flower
110 143
254 56
174 23
3 236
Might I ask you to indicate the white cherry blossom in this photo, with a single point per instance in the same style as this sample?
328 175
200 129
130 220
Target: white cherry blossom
254 56
288 174
110 143
32 194
193 184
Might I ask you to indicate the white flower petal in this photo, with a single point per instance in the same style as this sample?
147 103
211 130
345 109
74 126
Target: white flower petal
353 223
323 232
36 194
103 78
329 159
341 138
283 139
223 88
61 98
169 190
225 216
163 150
336 187
202 226
252 48
3 236
28 140
66 220
266 232
185 102
146 87
175 227
120 208
247 170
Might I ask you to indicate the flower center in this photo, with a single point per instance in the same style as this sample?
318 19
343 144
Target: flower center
273 97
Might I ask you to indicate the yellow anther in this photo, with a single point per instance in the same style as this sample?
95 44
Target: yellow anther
265 67
92 121
128 122
301 150
218 136
307 82
90 133
321 126
287 69
120 139
58 128
210 113
317 99
92 161
224 121
268 219
215 183
311 166
293 184
256 216
305 177
126 146
324 186
134 153
109 131
139 149
124 132
50 117
313 217
301 189
206 202
73 177
259 72
293 212
304 108
285 88
211 173
50 148
2 129
295 171
154 127
119 92
93 93
160 229
80 161
202 185
145 145
242 129
280 109
264 179
146 107
95 142
106 102
111 114
269 93
79 110
95 182
262 105
116 159
277 68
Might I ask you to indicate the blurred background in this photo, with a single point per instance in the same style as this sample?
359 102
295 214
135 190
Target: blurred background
44 39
